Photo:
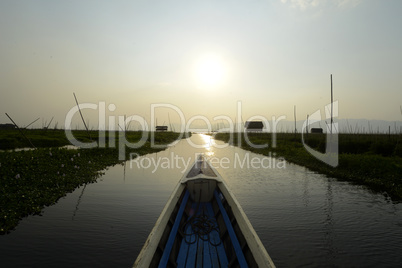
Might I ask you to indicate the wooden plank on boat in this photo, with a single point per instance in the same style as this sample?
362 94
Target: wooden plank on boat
192 254
235 242
182 257
207 251
215 243
206 254
173 232
253 241
200 250
188 239
148 250
201 167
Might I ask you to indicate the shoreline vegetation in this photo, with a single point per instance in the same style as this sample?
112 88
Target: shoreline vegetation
33 179
373 160
30 180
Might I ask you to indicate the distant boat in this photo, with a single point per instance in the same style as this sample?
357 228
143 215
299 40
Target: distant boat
203 225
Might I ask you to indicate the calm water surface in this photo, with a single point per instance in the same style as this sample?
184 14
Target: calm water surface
303 218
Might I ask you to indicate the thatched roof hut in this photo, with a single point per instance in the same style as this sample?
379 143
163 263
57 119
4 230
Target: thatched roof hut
161 128
7 126
254 126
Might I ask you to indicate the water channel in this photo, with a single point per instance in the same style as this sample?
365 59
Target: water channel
304 219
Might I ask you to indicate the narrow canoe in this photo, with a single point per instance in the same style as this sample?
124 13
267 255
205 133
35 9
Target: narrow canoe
203 225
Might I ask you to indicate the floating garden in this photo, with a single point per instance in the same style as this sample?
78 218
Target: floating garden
374 160
33 179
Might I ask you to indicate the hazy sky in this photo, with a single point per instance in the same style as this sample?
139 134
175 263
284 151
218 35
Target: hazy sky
201 56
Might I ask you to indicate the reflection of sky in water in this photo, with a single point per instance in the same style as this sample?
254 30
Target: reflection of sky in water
302 218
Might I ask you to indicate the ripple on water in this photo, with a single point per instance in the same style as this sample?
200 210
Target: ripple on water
303 218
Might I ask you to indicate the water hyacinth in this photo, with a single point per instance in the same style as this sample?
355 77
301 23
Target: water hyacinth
43 176
359 157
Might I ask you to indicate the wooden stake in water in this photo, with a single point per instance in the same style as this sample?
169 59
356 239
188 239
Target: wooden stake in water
294 112
332 101
24 128
170 124
47 127
31 123
89 134
307 126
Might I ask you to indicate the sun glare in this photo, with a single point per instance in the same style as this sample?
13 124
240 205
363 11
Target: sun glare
210 71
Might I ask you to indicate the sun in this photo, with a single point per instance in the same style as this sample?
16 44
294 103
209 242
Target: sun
210 71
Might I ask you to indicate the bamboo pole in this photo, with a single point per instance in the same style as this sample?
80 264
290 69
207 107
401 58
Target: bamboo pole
47 127
294 114
332 101
31 123
170 124
50 122
76 101
307 125
22 133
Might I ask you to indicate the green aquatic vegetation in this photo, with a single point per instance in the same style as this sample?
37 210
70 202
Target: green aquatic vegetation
12 138
374 161
33 179
40 138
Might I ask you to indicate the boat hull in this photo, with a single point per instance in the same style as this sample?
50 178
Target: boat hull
226 238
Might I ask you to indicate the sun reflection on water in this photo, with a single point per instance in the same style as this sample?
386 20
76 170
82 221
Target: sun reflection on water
208 145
